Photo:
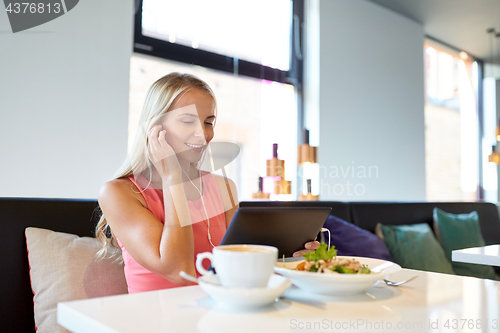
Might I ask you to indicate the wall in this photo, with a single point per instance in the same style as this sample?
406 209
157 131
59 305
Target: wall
491 112
491 70
371 100
64 101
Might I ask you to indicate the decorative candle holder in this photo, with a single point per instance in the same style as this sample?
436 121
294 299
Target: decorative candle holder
306 156
494 156
282 186
275 167
260 194
308 196
306 153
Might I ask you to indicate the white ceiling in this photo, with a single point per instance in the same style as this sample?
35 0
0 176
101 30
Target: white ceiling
458 23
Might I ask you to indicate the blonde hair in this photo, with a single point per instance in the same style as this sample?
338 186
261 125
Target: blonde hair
159 99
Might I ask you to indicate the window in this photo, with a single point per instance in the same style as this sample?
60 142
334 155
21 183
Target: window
491 87
256 31
260 38
451 125
251 68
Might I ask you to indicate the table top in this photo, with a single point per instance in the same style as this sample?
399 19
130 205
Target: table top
433 302
485 255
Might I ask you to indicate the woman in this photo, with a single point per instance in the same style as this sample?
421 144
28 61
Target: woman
161 209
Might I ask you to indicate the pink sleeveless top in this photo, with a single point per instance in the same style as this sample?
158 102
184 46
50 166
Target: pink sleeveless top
139 279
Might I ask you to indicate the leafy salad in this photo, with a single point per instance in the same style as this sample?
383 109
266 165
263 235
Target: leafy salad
324 260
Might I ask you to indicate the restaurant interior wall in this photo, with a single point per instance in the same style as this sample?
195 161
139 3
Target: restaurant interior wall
372 144
491 93
492 69
491 114
64 101
62 111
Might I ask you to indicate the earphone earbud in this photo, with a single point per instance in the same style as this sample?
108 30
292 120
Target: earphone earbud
329 235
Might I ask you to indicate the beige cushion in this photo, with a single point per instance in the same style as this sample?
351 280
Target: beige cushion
63 268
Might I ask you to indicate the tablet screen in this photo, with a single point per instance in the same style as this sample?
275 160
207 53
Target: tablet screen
287 228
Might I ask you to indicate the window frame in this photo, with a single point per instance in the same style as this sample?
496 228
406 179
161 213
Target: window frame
185 54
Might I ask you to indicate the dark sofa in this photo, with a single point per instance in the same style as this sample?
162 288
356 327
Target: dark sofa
16 214
79 217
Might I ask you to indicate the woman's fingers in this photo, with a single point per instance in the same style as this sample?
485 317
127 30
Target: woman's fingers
309 246
158 147
153 135
300 253
161 138
153 144
312 245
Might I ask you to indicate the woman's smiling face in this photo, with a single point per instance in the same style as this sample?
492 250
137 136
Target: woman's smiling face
189 124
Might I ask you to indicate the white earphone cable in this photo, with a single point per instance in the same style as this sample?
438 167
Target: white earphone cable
329 235
202 202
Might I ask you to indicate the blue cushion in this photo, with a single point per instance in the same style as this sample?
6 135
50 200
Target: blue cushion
414 246
461 231
351 240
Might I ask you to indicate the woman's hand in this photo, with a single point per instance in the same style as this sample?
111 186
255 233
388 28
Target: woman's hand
161 153
309 246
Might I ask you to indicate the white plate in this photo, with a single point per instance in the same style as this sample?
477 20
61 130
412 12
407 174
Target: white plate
247 297
337 284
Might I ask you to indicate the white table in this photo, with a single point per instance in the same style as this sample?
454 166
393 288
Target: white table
432 303
486 255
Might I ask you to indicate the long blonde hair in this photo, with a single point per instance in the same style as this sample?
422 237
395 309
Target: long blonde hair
159 98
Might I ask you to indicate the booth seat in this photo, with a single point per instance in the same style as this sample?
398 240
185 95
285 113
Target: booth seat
79 217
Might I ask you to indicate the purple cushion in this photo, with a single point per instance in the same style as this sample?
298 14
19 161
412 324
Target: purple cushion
351 240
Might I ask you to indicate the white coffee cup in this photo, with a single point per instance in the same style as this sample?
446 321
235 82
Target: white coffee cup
241 266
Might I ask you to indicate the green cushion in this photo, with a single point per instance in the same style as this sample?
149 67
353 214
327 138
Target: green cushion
461 231
414 246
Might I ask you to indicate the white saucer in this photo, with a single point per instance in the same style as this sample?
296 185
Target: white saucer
247 297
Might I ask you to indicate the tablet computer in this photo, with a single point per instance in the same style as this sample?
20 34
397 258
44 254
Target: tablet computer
287 228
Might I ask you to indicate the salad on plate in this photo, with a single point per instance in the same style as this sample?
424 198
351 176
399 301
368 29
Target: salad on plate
324 260
338 275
